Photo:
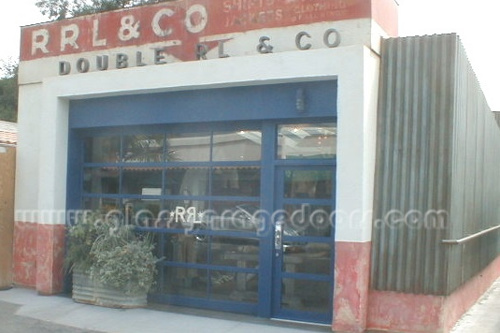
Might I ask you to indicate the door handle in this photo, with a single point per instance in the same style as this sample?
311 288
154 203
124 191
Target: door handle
278 237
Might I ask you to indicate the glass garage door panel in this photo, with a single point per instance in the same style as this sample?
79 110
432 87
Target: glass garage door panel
304 243
199 194
304 226
223 268
307 141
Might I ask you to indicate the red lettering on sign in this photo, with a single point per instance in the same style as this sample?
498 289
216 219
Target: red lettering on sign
179 25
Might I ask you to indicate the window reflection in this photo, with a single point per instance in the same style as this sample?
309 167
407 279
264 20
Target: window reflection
226 285
305 295
186 281
187 249
142 212
101 180
314 184
237 146
102 204
307 220
142 180
188 147
310 258
234 216
307 141
236 181
187 181
143 148
102 149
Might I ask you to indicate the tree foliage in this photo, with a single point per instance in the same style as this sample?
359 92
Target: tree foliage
8 90
61 9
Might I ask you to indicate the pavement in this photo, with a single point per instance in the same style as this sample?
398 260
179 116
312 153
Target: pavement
484 316
24 311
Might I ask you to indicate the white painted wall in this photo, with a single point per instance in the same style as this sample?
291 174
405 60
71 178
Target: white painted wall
28 152
43 122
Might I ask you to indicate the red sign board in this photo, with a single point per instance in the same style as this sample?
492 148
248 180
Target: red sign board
179 26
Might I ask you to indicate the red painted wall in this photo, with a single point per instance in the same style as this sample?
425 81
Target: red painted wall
385 13
184 22
50 261
468 294
39 256
352 276
405 312
25 253
426 313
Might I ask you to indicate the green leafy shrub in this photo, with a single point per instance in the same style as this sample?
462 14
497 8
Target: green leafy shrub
112 253
81 237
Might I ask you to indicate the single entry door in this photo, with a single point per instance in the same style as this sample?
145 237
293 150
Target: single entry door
303 243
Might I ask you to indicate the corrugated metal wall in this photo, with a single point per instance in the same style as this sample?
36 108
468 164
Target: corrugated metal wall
497 116
435 160
475 190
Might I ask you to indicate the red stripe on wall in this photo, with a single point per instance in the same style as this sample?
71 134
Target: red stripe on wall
39 256
352 276
24 254
385 13
400 312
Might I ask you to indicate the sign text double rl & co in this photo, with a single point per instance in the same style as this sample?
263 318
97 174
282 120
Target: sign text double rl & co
331 39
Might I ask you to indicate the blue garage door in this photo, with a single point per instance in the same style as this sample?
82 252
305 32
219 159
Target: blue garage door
237 186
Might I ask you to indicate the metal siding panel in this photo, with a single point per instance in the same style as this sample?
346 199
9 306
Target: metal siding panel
438 149
497 117
415 111
475 178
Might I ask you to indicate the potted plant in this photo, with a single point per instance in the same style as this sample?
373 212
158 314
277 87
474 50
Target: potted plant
111 264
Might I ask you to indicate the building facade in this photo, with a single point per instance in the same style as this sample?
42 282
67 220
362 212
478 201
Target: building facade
241 134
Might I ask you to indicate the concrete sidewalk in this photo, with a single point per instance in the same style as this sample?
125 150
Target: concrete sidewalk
484 316
25 311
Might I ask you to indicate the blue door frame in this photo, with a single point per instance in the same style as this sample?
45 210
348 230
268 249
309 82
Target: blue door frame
265 107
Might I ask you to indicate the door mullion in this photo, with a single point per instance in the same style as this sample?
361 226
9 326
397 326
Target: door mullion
266 239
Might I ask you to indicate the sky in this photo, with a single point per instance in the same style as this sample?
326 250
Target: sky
475 21
478 26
